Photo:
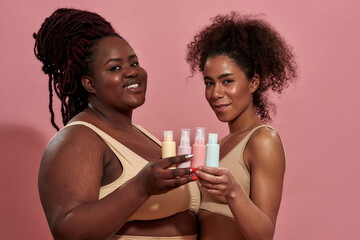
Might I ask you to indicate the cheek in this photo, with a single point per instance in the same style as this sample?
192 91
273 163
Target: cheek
240 91
115 83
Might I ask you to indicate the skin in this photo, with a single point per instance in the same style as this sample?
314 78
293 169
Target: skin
77 162
229 93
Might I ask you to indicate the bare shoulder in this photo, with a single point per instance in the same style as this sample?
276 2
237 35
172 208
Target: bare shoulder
73 138
265 136
265 145
74 152
71 169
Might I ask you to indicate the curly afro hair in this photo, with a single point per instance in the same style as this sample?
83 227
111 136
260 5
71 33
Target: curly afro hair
255 47
65 44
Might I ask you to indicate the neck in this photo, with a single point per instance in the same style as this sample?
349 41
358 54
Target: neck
245 121
114 118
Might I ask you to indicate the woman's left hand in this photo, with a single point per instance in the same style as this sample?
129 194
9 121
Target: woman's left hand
217 181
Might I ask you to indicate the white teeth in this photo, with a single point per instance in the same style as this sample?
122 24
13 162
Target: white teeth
135 85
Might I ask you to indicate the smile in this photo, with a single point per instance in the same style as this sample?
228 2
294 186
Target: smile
135 85
220 108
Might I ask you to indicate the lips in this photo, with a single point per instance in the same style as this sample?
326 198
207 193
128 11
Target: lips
133 86
219 108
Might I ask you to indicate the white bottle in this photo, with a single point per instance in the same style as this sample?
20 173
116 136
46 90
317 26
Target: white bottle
184 147
212 151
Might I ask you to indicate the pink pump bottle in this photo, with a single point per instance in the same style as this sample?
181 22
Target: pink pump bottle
199 148
184 147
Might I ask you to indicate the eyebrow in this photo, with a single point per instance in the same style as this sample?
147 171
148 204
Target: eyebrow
120 59
224 75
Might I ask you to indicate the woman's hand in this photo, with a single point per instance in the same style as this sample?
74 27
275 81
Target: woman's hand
157 177
217 181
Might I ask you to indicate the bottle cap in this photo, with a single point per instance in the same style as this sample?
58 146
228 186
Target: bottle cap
185 137
168 135
200 136
213 138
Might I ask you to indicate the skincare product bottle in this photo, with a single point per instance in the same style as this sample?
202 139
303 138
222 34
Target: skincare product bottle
212 151
199 148
168 145
184 147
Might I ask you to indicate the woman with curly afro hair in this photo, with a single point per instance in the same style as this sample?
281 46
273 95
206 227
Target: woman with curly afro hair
242 58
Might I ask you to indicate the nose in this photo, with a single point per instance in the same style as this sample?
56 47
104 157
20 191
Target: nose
131 72
217 92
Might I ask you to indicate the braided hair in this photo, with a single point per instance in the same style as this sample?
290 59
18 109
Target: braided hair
254 46
65 44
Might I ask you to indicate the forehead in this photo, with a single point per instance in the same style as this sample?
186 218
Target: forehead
220 63
113 47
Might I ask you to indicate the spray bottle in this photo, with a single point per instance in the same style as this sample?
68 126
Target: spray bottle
199 148
212 151
184 147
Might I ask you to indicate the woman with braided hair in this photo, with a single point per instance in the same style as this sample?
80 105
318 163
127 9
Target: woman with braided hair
242 58
101 177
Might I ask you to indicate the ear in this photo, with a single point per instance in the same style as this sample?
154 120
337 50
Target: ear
88 84
254 83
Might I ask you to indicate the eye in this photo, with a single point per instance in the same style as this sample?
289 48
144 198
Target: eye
115 68
208 83
227 81
134 64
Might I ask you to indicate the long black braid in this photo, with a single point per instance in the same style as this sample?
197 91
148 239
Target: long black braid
64 44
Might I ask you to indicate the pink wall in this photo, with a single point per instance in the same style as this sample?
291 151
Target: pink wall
316 117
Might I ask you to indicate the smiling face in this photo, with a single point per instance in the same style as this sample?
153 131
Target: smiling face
228 90
117 81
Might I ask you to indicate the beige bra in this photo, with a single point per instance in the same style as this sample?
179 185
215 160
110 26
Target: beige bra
233 161
157 206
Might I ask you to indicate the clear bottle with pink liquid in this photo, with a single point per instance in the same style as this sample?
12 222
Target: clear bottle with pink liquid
199 148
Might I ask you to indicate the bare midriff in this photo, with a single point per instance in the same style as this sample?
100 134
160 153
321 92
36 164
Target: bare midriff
215 226
180 224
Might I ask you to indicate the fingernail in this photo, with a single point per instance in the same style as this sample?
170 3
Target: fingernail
194 178
189 156
193 170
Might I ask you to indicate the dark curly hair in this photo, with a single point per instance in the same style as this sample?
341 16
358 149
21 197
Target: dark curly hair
65 44
254 46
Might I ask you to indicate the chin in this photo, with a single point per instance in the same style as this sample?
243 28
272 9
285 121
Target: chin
137 103
223 118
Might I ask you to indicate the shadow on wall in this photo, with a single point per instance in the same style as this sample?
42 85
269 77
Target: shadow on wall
21 214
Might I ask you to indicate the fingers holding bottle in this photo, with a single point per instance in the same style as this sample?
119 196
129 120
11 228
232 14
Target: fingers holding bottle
217 181
177 176
157 178
171 161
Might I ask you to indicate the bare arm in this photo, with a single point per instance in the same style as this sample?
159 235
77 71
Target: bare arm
69 181
254 216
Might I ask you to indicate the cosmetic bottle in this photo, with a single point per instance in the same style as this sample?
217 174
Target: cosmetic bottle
168 145
212 151
199 148
184 147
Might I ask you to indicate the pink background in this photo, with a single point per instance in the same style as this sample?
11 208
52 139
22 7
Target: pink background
318 118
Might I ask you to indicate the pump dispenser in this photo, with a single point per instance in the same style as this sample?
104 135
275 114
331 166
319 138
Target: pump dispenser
168 145
184 147
199 148
212 151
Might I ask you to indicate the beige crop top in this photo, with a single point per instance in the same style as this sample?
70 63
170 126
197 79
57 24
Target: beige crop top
157 206
234 161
